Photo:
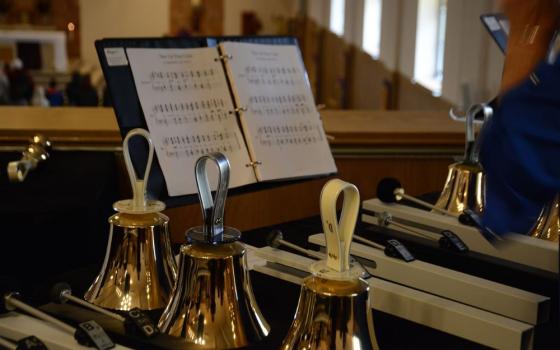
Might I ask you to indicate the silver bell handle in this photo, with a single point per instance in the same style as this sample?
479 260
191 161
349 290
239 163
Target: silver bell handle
212 208
338 233
472 143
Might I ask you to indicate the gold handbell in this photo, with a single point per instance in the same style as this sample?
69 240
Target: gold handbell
465 184
547 226
333 311
212 303
139 269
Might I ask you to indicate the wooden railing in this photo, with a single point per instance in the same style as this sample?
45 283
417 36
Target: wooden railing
415 147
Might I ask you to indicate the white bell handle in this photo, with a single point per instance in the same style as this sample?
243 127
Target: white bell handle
338 233
138 185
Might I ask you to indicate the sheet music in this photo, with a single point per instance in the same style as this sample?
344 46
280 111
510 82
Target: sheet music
282 126
188 109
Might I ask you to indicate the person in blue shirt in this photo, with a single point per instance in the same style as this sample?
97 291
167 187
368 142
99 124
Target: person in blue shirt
520 152
55 96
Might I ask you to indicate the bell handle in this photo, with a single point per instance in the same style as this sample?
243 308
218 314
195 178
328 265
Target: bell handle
488 112
212 208
338 233
138 185
472 145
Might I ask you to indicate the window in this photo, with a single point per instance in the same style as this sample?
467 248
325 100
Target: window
371 39
336 22
430 44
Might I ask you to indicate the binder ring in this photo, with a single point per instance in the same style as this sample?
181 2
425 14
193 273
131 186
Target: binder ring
238 109
253 164
223 58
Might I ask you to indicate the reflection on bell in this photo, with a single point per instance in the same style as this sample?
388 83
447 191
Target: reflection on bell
463 189
465 184
212 303
333 311
547 226
139 270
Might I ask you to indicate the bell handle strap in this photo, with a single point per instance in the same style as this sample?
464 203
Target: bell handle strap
338 233
138 185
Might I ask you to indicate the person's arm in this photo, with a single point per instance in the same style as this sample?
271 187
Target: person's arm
532 26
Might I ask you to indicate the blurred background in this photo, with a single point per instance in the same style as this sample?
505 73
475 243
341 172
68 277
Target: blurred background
359 54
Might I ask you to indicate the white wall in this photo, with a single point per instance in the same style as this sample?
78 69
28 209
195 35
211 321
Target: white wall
120 18
471 57
267 11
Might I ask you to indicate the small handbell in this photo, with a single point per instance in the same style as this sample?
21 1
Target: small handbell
465 184
139 269
547 226
212 303
333 311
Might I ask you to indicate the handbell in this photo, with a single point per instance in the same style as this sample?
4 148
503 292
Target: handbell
139 269
333 311
547 226
212 303
465 184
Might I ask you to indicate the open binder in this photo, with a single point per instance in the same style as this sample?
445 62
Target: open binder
246 97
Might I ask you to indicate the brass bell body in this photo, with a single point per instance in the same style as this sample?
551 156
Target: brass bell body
464 189
213 304
139 270
547 226
333 311
331 315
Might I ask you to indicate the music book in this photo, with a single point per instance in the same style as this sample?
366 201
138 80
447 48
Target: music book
251 102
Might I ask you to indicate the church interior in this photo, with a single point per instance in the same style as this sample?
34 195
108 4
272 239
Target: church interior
287 174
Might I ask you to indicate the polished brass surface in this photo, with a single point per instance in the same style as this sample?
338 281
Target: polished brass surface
464 189
139 269
333 311
212 303
547 226
332 315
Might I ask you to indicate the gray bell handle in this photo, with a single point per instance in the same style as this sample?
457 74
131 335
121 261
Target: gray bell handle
212 208
472 144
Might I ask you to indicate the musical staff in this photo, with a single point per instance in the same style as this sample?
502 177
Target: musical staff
186 80
288 134
188 112
284 105
273 75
